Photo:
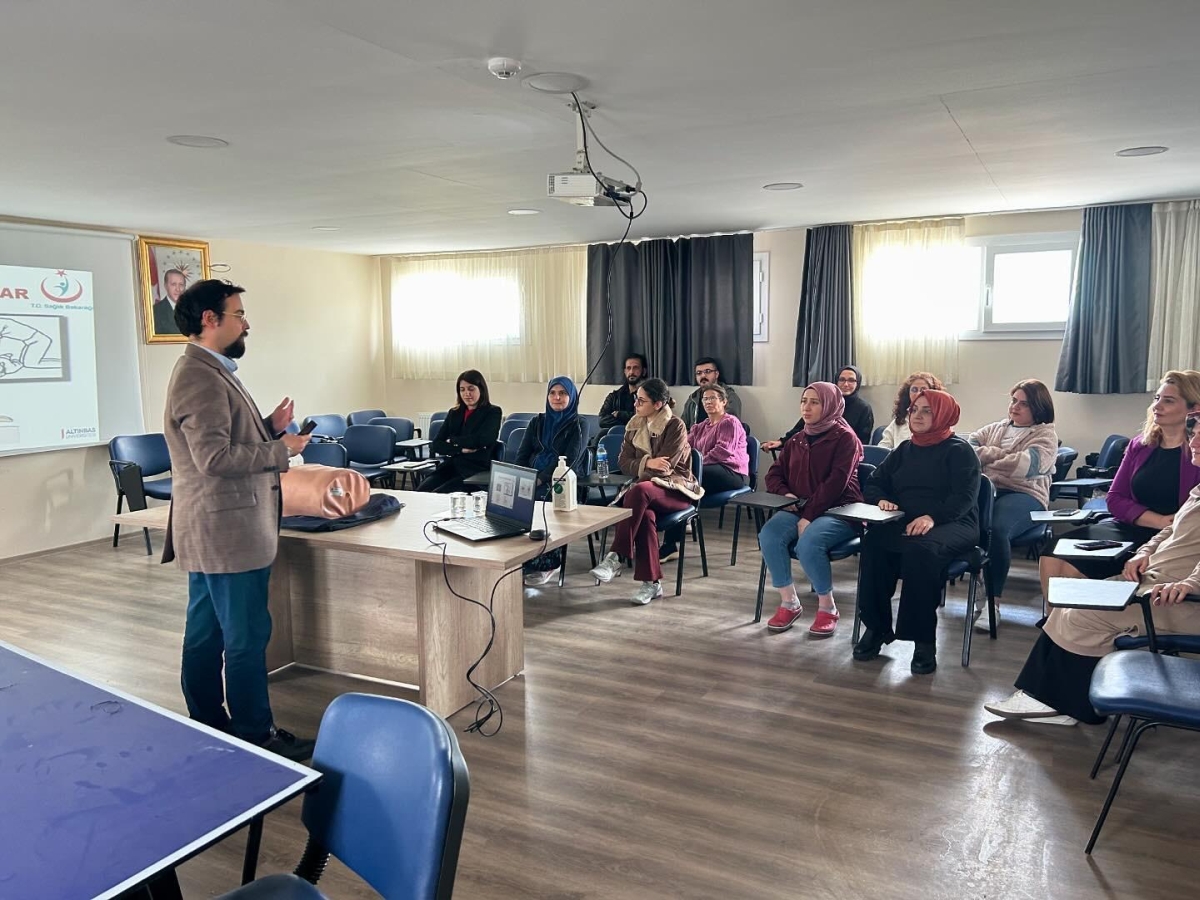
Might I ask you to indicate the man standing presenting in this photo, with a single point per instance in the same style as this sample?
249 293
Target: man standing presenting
224 522
174 282
617 408
708 371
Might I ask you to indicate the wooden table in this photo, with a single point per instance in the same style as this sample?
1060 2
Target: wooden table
372 601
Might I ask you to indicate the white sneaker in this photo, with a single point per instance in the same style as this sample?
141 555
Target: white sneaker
533 579
979 616
650 590
1021 706
610 567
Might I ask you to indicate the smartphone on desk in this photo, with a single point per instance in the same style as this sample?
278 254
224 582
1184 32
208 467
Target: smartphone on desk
1097 545
1064 512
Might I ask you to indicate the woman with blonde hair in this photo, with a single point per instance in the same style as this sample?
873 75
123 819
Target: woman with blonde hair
897 431
1153 481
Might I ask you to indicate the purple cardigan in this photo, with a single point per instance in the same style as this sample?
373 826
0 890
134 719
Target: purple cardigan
825 473
1121 502
723 443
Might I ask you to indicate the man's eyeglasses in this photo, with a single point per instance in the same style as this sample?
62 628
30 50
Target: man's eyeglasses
237 313
700 372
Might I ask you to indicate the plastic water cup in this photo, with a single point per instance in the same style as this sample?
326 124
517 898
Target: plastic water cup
480 502
458 504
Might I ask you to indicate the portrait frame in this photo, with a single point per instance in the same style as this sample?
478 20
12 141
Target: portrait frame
161 262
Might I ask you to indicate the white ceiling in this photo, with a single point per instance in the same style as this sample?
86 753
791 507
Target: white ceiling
380 118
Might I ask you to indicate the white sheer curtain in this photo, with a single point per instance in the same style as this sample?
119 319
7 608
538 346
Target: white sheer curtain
514 315
1174 289
916 288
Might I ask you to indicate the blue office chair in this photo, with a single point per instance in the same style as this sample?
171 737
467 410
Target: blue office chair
327 454
330 427
681 518
405 429
1105 463
877 435
364 416
509 425
512 444
519 417
133 458
611 443
368 449
435 426
875 455
293 427
720 499
591 428
391 806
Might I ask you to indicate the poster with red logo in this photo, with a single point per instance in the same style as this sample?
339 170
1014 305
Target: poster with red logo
48 394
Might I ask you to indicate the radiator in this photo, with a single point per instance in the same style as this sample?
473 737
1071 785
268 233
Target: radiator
423 423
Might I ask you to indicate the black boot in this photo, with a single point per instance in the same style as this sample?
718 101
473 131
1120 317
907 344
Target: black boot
924 659
868 645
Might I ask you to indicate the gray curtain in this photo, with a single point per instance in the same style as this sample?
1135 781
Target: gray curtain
824 332
674 301
1107 340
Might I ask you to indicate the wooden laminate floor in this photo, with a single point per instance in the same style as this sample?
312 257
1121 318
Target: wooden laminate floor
677 750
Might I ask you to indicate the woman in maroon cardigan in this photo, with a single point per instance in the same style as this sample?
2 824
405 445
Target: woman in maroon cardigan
819 467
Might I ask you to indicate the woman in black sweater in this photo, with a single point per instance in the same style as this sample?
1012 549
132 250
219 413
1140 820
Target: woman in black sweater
858 415
934 479
467 437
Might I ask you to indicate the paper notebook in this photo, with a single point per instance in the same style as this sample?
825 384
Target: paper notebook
864 512
1084 593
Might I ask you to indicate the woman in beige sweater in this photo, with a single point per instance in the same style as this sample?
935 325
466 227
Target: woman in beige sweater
1017 454
655 447
1053 686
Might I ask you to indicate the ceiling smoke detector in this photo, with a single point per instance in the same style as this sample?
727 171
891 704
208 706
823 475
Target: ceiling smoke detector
504 67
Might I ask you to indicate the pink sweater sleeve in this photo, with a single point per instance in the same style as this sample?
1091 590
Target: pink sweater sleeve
726 445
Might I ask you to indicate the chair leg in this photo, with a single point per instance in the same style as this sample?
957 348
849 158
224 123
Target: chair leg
117 527
1116 785
968 624
592 550
762 587
1112 729
721 520
698 529
854 633
149 546
562 567
737 527
679 568
987 569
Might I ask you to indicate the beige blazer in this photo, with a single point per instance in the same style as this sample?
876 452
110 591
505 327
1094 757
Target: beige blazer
225 465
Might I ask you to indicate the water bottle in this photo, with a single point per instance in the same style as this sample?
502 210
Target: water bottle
601 461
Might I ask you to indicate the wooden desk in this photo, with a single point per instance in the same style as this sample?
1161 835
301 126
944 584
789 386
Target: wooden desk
372 601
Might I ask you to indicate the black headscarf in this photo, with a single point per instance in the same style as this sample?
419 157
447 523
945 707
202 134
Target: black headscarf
858 414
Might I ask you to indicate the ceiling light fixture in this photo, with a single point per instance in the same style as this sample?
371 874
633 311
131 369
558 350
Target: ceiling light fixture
197 141
555 82
1142 151
524 212
324 228
783 186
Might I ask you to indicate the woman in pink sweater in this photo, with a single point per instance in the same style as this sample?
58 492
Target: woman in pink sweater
721 441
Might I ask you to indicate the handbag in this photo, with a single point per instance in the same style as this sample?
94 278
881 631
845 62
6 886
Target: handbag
323 492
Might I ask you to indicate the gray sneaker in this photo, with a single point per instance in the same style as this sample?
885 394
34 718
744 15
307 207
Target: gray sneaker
610 567
649 590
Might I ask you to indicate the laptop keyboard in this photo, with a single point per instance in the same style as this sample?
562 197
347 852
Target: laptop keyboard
485 526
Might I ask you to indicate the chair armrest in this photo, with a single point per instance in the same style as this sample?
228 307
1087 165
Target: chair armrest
1148 618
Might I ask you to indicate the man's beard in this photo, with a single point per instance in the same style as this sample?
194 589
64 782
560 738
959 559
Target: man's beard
237 349
633 379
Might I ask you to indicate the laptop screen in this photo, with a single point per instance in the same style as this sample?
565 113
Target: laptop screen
511 493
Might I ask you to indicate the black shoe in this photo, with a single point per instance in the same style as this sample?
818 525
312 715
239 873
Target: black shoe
924 659
868 646
668 551
287 745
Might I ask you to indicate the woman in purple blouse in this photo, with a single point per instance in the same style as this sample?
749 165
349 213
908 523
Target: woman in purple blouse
721 442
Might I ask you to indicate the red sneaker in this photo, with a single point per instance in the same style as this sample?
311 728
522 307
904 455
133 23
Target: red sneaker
824 624
783 619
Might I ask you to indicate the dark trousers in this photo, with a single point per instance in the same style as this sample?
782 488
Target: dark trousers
637 536
1060 678
1010 519
920 562
445 479
717 479
228 620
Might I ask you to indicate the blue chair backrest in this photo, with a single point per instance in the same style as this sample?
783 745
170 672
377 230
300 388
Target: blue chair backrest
875 455
698 467
519 417
591 427
438 417
435 425
393 800
148 451
612 446
1062 462
331 425
987 501
327 454
877 434
293 427
754 452
512 444
404 428
364 416
865 471
370 445
509 425
1112 451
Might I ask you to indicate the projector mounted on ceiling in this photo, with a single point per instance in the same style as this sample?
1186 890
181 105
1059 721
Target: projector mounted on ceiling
579 186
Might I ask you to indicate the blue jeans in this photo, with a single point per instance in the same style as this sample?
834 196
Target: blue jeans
1010 518
227 617
779 544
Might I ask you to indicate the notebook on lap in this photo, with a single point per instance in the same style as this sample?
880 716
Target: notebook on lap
510 506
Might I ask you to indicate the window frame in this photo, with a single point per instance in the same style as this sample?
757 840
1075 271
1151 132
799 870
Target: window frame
992 246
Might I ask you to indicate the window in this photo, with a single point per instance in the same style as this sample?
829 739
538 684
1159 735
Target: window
762 291
1025 283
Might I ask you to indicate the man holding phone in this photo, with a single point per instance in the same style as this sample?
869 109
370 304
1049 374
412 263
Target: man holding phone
224 523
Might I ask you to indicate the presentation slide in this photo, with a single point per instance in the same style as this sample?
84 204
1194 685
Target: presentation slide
48 393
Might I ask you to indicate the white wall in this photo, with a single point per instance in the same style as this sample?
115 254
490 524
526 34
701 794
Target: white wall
315 333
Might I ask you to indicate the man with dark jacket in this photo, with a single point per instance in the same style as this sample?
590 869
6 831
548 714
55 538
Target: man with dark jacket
617 408
708 371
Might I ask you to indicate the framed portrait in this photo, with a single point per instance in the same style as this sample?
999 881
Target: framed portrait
168 268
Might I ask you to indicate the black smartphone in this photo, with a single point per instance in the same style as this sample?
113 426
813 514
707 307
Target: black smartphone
309 427
1098 545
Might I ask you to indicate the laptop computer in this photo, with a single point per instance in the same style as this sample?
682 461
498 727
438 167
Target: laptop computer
510 506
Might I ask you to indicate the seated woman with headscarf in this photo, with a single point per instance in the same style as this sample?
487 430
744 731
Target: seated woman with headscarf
933 478
557 432
655 448
819 467
1052 688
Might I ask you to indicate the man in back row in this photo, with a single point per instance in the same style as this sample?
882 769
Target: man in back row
708 372
617 408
